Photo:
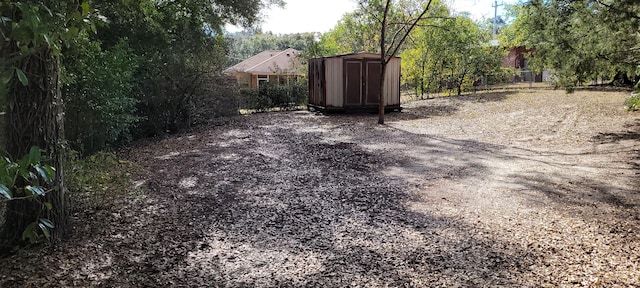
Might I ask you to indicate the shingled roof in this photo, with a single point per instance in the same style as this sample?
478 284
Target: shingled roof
268 62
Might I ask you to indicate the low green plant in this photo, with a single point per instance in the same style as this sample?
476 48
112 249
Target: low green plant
97 181
99 96
27 179
287 97
633 101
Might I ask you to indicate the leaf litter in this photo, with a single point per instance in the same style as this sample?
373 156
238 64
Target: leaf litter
528 189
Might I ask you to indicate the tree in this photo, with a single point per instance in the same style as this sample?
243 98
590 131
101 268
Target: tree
355 32
173 45
30 67
180 45
98 95
243 45
579 40
397 23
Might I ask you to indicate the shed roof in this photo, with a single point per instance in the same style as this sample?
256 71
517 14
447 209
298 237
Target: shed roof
361 54
269 61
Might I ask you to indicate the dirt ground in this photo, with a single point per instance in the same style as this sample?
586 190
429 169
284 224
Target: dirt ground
516 189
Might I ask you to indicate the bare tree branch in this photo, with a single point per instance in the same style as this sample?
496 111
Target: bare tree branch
395 50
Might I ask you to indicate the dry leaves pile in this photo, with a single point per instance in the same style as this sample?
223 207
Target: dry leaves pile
523 189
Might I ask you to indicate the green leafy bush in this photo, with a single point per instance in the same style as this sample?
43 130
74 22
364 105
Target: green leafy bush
633 102
100 108
287 97
28 179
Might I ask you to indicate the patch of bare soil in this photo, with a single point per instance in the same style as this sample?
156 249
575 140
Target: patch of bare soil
522 189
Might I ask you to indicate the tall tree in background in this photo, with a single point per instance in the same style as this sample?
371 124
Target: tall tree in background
396 21
243 45
181 47
357 31
168 47
455 52
579 40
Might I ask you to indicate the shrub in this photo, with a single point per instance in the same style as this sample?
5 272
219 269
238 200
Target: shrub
287 97
97 93
28 179
633 101
219 97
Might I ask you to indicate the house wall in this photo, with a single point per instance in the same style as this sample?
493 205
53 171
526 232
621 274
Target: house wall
515 59
244 80
254 82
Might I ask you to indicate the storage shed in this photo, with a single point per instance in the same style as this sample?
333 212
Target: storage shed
351 82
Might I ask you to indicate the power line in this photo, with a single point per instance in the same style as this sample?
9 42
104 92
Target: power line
495 16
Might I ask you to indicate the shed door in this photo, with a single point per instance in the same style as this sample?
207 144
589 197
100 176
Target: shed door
372 88
353 83
316 68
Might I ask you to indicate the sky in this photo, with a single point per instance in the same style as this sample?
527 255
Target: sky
321 16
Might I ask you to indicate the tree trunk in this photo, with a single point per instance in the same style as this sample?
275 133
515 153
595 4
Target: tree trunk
383 71
35 118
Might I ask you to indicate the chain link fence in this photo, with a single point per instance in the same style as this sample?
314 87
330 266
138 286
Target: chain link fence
448 85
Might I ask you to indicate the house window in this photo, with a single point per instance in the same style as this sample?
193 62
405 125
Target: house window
262 79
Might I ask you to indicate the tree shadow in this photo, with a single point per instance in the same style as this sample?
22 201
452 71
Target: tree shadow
428 108
425 110
292 202
487 96
632 133
304 211
577 192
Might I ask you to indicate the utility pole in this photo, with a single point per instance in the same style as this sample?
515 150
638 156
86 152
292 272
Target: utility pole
495 17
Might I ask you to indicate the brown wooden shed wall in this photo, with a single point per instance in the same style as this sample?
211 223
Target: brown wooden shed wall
333 82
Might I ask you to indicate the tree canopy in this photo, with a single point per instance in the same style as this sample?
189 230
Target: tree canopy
579 40
123 67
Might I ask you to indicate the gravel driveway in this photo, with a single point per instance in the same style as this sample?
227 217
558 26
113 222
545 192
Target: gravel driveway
516 189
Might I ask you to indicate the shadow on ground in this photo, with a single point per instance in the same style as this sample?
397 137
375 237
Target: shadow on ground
429 108
278 206
296 200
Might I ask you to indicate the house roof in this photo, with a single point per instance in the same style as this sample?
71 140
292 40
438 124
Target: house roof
268 62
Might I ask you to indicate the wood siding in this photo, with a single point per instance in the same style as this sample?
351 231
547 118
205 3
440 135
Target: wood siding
372 89
334 82
392 83
352 82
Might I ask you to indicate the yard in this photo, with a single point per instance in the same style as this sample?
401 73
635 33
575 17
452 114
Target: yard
520 189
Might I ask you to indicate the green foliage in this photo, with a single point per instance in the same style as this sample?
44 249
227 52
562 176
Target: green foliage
449 53
287 97
180 48
355 32
633 102
32 25
579 41
243 45
97 181
37 231
98 96
27 179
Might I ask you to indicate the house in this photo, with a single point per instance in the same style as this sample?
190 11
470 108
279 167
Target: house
273 66
516 60
352 82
